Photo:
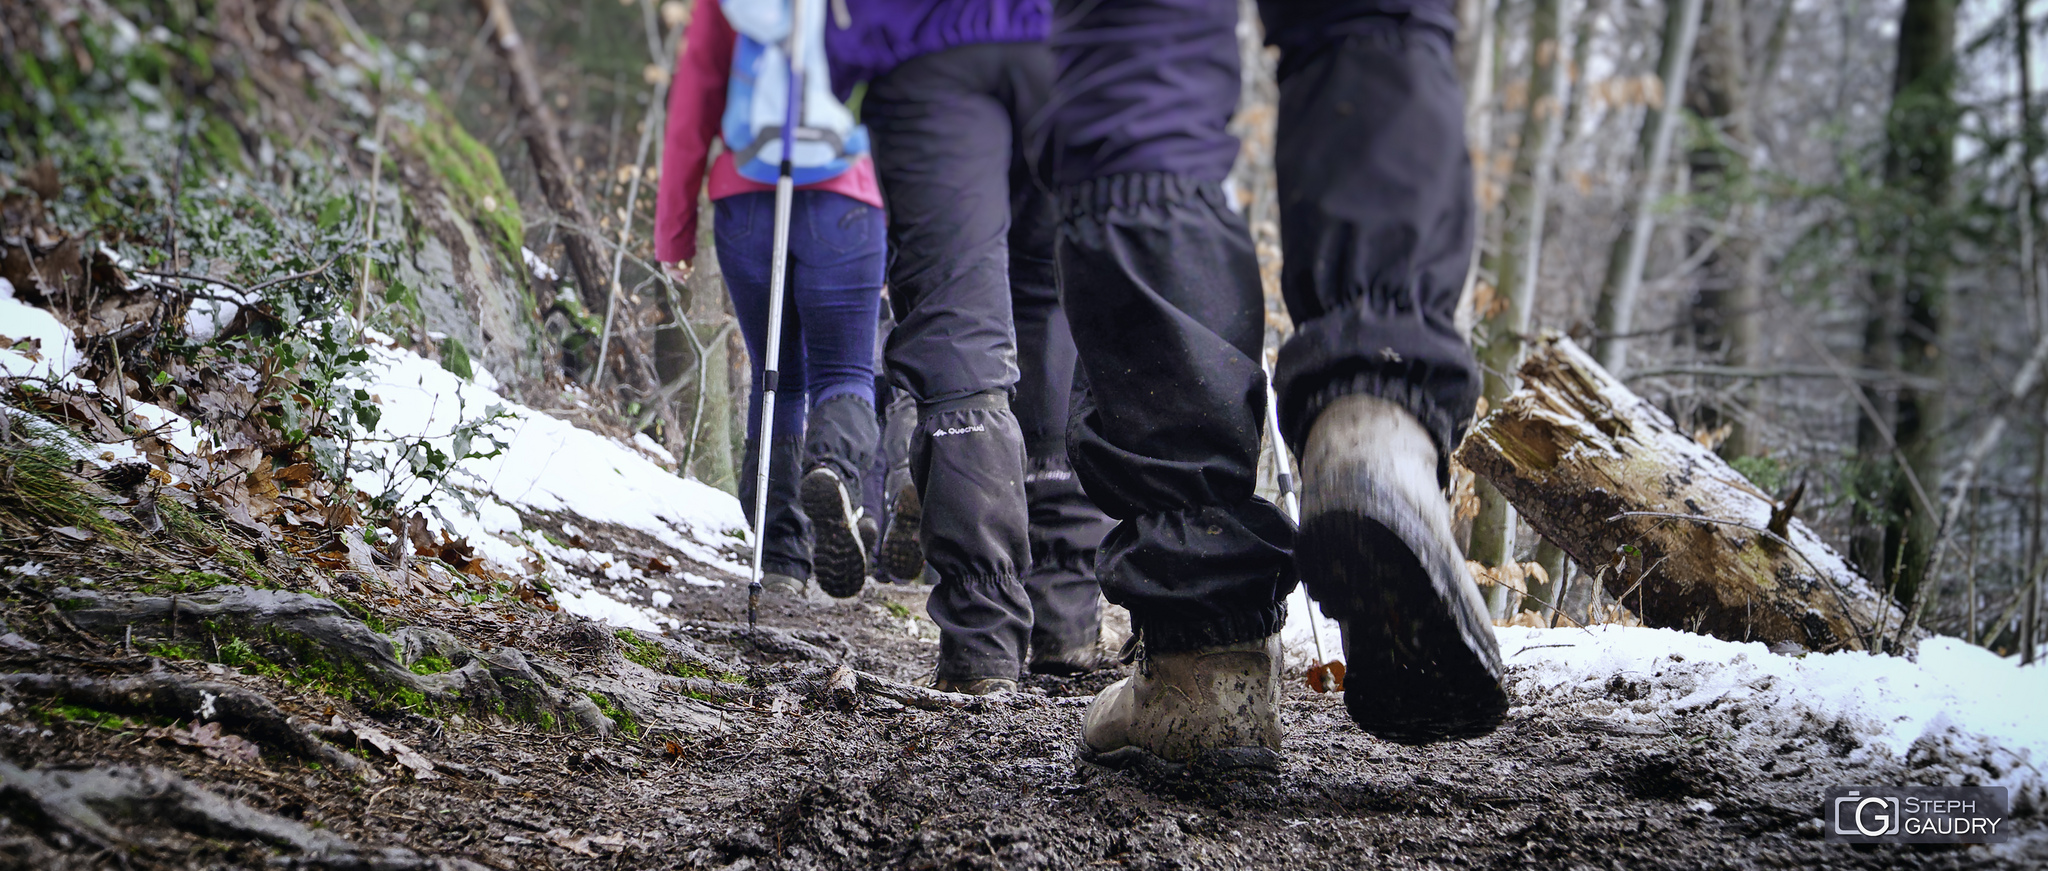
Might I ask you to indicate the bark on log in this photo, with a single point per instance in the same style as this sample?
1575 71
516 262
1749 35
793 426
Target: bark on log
1685 540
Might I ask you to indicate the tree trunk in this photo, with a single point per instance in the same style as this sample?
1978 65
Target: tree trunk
1686 542
710 413
1516 269
1614 313
1910 287
1731 286
550 162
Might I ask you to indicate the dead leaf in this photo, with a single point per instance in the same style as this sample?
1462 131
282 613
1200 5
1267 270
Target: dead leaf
659 566
581 844
1327 677
296 475
30 348
224 746
73 533
422 767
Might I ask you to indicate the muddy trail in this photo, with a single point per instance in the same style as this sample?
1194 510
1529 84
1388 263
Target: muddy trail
820 750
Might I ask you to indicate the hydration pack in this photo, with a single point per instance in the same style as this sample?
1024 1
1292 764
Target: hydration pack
826 140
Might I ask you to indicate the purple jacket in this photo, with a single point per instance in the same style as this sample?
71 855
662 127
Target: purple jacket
884 33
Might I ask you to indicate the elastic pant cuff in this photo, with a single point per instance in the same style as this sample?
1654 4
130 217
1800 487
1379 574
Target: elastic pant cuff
1445 428
1182 636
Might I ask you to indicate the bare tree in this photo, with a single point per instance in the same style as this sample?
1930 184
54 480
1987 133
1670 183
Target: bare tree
1909 291
1614 313
1519 263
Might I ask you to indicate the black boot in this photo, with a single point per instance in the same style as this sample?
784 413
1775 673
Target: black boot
840 443
901 555
786 550
1066 531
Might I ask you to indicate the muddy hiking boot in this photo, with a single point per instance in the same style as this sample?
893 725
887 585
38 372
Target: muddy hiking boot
902 555
1376 549
1216 709
870 533
840 442
840 563
781 585
986 686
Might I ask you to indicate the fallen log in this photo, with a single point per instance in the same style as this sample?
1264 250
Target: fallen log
1680 537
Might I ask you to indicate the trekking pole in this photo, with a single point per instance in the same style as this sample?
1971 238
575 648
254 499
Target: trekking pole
778 277
1284 471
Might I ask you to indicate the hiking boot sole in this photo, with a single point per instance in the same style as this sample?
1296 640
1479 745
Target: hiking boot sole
902 556
1422 663
841 564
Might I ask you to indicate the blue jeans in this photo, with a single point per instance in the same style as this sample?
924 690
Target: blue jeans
836 256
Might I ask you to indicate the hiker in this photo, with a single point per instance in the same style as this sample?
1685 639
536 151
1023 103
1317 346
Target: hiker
995 511
1376 384
824 421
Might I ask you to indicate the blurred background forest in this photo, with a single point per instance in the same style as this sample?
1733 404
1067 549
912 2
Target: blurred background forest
1806 229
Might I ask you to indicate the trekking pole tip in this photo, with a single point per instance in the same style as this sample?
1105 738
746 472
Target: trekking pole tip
753 603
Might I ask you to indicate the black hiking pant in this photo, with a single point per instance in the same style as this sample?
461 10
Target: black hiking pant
970 240
1160 278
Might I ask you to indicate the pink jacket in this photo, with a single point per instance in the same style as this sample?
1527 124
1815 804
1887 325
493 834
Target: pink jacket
696 100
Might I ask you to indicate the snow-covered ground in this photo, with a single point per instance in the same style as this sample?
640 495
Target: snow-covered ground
549 465
1957 714
40 346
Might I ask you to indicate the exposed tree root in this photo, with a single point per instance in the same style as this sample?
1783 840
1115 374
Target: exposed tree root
502 681
842 686
168 695
87 803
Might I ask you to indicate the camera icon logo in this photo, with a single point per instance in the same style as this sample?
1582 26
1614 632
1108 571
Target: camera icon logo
1869 816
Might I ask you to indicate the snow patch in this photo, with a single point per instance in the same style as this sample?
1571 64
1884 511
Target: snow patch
1959 715
42 346
547 465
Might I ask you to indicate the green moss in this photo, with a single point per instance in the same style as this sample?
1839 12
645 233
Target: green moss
431 665
183 582
642 651
171 651
60 712
896 608
547 721
471 176
618 714
414 701
649 654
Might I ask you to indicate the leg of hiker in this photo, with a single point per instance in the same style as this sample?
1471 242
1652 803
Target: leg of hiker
1066 528
942 146
836 261
1376 384
1162 286
743 228
874 484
